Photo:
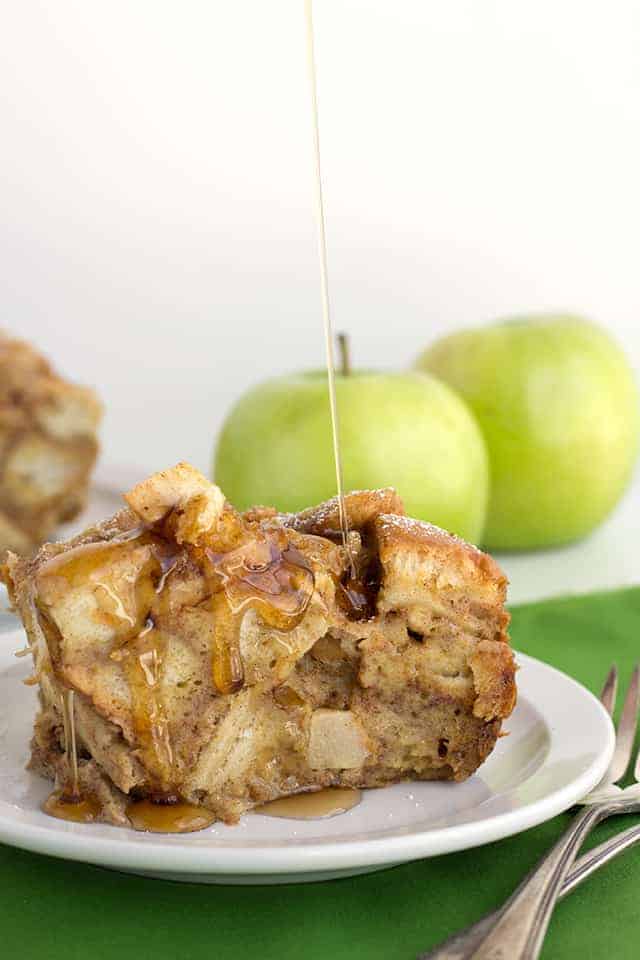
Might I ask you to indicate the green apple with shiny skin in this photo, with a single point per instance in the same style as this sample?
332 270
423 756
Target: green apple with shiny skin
397 429
558 406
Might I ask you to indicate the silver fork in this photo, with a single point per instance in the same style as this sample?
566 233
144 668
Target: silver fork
460 944
516 930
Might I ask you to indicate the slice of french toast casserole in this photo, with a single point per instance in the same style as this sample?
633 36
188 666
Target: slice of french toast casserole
227 659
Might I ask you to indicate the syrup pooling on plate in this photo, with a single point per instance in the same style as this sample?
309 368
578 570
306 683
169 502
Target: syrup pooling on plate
320 805
68 802
168 817
77 809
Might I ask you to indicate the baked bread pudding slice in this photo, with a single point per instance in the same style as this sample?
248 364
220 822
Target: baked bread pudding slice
47 447
224 660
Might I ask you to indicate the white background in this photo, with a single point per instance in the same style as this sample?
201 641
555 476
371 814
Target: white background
157 238
157 232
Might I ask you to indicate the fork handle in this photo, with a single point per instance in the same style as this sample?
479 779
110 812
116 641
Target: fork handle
516 931
522 923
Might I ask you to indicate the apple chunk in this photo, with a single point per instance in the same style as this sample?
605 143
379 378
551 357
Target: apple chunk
337 741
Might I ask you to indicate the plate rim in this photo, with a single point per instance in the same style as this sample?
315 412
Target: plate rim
157 855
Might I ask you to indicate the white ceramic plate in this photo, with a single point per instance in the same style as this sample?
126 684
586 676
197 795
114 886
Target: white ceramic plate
559 745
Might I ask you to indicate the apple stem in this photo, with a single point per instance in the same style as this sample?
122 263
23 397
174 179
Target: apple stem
345 356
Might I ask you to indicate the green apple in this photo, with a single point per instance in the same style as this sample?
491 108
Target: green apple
397 429
558 406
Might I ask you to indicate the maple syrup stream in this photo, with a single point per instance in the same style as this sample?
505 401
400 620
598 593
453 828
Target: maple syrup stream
324 283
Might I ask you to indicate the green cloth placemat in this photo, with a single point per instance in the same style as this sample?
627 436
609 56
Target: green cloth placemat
52 909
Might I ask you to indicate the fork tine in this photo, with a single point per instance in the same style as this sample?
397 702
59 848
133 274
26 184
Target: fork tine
626 729
610 690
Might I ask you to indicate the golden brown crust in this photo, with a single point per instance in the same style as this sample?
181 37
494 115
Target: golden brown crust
328 693
396 534
47 446
362 507
494 678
